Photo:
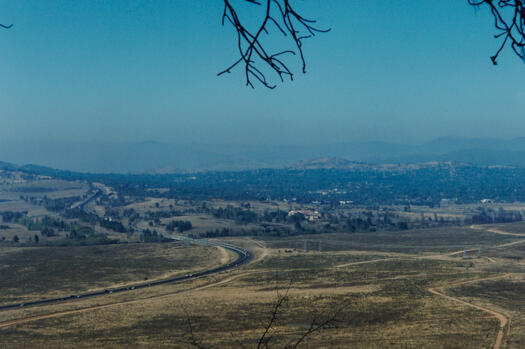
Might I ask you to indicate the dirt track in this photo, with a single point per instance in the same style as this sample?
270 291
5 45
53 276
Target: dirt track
503 320
262 250
501 317
366 262
496 231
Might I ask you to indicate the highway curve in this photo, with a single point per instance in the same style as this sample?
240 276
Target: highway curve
243 257
15 322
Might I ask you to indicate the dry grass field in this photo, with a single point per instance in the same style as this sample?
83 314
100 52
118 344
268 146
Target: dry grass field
410 241
8 231
34 273
14 186
380 297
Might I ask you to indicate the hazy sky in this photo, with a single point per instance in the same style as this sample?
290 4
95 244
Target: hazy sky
394 70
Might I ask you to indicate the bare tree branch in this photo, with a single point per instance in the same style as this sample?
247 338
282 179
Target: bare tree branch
287 20
509 20
6 26
321 320
281 299
318 324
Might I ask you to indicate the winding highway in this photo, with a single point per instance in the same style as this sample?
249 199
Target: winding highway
243 257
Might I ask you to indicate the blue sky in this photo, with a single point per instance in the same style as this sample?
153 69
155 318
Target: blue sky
403 71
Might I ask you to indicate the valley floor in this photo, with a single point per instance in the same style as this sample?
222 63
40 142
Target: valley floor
430 298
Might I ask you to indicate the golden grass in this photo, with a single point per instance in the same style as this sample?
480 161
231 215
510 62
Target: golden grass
385 304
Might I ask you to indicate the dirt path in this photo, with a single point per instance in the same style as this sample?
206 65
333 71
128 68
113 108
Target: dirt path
501 232
503 320
433 256
366 262
225 281
257 242
262 248
225 255
496 231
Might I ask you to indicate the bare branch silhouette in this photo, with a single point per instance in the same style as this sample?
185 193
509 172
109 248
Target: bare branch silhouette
318 324
509 20
6 26
266 336
321 320
287 21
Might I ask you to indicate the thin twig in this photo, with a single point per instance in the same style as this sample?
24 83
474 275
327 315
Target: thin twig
509 20
249 43
281 299
318 324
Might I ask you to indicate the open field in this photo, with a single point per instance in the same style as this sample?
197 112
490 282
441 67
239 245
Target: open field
386 276
381 298
12 188
8 231
378 310
413 241
44 272
513 228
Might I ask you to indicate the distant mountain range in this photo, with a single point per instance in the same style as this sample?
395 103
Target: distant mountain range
159 157
325 162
